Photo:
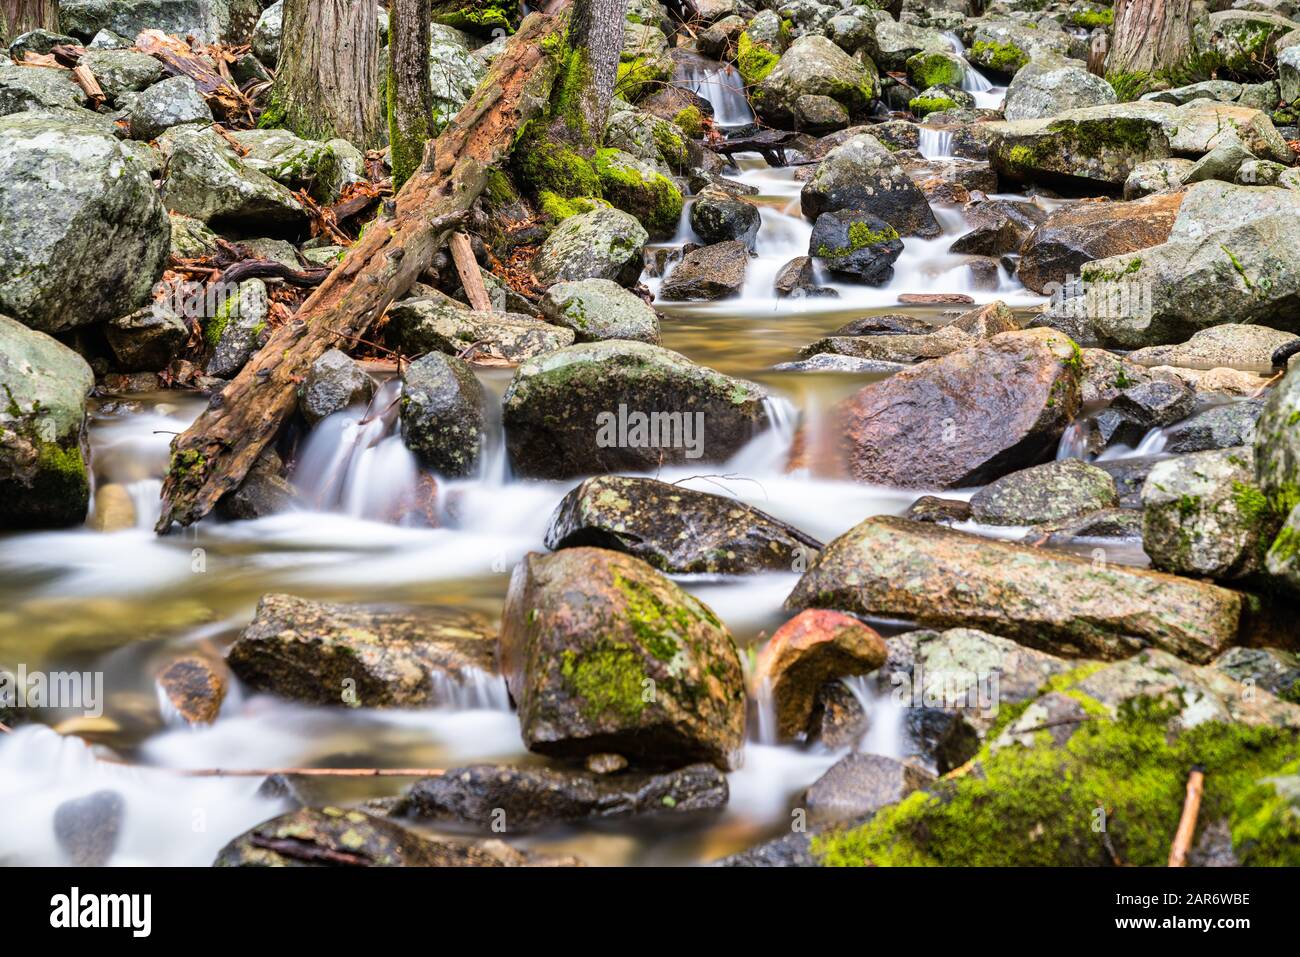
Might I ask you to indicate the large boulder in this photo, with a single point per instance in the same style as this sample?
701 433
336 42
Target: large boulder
891 43
444 419
603 654
321 168
1057 250
1007 46
1240 42
361 655
625 406
891 568
212 21
708 273
1051 86
334 383
717 216
863 175
44 481
602 244
1097 144
598 309
123 71
1231 345
813 66
37 88
1277 443
173 102
677 530
206 179
636 187
960 420
443 325
1044 493
857 245
1202 514
454 72
83 237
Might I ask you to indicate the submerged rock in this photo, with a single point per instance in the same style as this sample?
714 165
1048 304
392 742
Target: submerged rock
812 648
676 530
604 654
444 419
892 568
625 406
514 800
44 482
360 655
1044 493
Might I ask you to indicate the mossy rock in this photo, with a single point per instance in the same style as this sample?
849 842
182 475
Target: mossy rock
639 189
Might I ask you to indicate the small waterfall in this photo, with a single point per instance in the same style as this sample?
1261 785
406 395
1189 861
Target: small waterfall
765 710
1074 441
954 41
885 733
474 690
722 86
973 81
935 143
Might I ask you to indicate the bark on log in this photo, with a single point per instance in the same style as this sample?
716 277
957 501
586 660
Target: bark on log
214 454
410 88
1149 35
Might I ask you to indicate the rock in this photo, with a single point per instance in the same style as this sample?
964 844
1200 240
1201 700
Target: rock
963 419
809 650
77 213
1044 493
1222 162
638 188
797 278
1051 86
1155 403
1000 227
360 655
891 43
892 568
195 687
211 21
602 653
863 176
484 796
264 491
172 102
1006 46
205 179
1253 172
717 216
237 329
322 169
87 828
856 244
338 837
1106 523
598 309
850 365
1239 41
1283 559
1097 144
43 475
985 322
859 785
888 324
1277 443
148 339
37 41
427 325
1218 427
334 383
931 508
1203 515
624 406
789 850
36 88
267 33
708 273
1221 264
893 348
123 71
1273 670
1070 238
190 238
1246 347
1224 91
444 420
601 244
814 66
674 529
114 508
1156 176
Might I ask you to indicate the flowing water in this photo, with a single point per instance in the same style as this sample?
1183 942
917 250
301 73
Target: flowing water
125 603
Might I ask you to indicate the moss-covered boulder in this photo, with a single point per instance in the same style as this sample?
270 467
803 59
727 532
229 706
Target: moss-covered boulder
935 68
760 46
444 417
625 406
603 654
862 175
238 328
44 482
1277 443
425 324
814 66
1006 46
1241 43
323 169
639 189
890 567
360 655
1099 144
597 309
856 244
892 43
77 213
601 244
644 63
677 530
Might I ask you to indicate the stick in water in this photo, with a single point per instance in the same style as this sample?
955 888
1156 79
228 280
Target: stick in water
310 772
1187 824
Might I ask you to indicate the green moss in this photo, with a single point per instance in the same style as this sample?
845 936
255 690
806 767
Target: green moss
638 76
555 168
1266 821
1038 805
654 199
924 105
483 17
1237 265
1110 275
860 236
1003 57
690 121
672 148
608 678
929 69
215 327
754 60
500 191
1286 546
558 207
1090 18
406 146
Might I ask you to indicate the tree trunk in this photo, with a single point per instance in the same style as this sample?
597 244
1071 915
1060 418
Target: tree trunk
328 82
410 93
214 454
1149 36
596 31
19 16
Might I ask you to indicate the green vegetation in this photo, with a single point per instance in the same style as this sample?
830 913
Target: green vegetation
754 60
1003 57
608 678
1092 17
1129 86
925 105
928 69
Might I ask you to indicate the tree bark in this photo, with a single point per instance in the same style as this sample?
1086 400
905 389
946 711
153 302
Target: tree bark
596 31
410 93
1149 36
19 16
328 81
214 454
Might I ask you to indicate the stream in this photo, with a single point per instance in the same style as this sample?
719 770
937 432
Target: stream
124 603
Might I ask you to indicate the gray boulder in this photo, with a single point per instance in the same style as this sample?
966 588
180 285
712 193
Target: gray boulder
814 66
212 21
123 71
321 168
267 33
444 325
35 88
443 414
863 175
172 102
1218 427
148 339
605 243
717 216
600 309
238 328
859 785
1051 86
334 383
1044 493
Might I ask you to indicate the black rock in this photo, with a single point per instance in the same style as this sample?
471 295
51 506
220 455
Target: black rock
856 244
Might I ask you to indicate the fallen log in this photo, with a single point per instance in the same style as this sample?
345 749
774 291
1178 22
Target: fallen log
214 454
226 99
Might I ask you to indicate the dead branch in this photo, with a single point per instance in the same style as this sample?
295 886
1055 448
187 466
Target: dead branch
1187 823
467 267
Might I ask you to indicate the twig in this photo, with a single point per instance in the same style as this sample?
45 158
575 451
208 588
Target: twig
1187 823
5 728
308 772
